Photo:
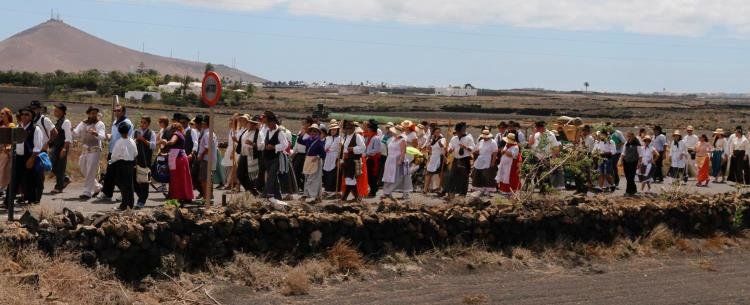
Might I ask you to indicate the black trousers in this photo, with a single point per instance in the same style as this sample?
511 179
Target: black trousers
658 170
458 179
272 188
329 180
298 164
108 186
242 175
373 174
28 182
59 167
630 169
124 179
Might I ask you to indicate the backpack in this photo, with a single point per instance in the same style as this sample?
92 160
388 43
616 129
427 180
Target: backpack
631 153
160 170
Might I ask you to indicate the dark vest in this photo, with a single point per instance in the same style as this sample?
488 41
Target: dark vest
238 149
28 144
353 143
189 141
145 152
59 140
270 154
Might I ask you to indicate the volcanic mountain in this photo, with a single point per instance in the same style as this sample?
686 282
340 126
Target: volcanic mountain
55 45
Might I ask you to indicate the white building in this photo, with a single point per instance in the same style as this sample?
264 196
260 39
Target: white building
171 87
455 91
138 95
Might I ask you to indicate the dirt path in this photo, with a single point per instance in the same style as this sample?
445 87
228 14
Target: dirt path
719 279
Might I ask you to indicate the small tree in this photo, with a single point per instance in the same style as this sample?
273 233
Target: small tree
586 84
147 98
209 67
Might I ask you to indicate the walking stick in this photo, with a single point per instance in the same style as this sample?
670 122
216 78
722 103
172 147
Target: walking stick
339 158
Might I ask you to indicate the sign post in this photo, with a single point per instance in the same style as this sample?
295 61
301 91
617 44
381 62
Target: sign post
210 94
11 136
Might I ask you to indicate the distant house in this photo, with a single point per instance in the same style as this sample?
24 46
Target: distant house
171 87
138 95
466 90
353 90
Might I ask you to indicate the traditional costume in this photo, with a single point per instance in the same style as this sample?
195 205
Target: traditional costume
122 165
508 169
58 148
396 174
180 182
353 149
272 158
90 134
718 156
703 163
678 154
484 172
372 156
461 146
330 167
313 165
109 176
28 180
738 150
143 160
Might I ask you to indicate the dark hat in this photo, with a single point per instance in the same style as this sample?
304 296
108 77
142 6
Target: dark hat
198 119
92 108
206 119
123 128
177 116
738 128
373 124
271 117
25 109
502 124
255 119
540 124
35 105
62 107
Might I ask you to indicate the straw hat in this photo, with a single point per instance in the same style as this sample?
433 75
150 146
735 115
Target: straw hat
244 117
719 131
389 124
407 124
333 126
676 132
333 121
314 127
396 130
359 130
689 128
510 138
647 138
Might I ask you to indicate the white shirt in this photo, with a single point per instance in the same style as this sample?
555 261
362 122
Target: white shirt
283 140
247 149
332 147
124 149
677 153
455 146
691 141
194 137
205 144
46 125
603 147
373 147
38 141
589 142
550 140
736 143
647 154
298 147
486 149
81 131
359 147
521 137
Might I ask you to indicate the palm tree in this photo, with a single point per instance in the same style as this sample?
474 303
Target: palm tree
586 84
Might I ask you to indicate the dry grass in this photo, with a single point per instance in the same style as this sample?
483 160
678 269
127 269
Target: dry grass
249 271
476 299
344 257
660 238
706 264
296 282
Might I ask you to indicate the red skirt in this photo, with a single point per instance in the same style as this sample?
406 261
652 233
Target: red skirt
180 184
363 188
514 183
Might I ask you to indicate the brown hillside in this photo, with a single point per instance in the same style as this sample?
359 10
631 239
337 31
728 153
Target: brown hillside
55 45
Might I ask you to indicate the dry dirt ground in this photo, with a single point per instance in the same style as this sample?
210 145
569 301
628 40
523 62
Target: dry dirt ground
693 279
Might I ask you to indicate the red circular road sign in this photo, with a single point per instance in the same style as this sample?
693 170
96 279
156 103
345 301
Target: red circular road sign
211 89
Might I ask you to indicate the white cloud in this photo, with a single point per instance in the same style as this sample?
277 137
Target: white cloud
670 17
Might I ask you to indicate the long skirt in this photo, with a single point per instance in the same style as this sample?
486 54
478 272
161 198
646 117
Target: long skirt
737 167
314 184
646 173
457 181
402 182
703 166
4 168
180 182
484 178
361 181
717 163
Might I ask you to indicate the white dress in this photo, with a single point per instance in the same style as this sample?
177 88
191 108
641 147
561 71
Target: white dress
396 176
436 154
503 169
678 154
647 158
332 147
486 149
227 160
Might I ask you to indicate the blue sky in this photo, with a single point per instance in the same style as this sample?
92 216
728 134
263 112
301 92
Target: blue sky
624 46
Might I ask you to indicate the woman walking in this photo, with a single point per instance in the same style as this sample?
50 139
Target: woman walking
396 175
604 148
718 157
630 159
436 148
313 165
508 178
702 161
648 161
6 121
332 148
483 170
180 182
229 161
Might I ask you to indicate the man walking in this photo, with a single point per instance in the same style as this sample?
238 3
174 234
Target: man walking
91 134
29 179
119 112
59 146
660 144
146 143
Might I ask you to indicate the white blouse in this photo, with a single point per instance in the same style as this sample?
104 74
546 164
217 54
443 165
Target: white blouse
486 149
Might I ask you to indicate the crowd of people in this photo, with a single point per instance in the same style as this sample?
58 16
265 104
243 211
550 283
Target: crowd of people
346 160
